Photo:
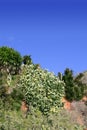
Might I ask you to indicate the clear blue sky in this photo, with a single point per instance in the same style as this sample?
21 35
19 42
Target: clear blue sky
53 32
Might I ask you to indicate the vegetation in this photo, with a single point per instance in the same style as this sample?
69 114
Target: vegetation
74 89
10 60
41 88
43 92
27 60
13 120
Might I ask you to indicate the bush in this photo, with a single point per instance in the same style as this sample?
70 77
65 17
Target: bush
12 120
41 88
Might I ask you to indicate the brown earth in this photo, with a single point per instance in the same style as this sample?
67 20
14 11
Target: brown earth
77 110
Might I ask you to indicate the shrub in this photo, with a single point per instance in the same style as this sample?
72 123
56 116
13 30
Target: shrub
41 88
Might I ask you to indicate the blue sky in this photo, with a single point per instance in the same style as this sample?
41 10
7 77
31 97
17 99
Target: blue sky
53 32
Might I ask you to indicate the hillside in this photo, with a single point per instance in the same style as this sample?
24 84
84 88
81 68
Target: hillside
31 98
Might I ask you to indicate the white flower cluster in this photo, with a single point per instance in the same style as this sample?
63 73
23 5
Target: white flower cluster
41 88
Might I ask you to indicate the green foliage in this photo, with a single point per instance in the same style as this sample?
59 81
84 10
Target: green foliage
12 120
81 85
10 97
60 75
41 88
74 89
69 84
3 85
10 60
27 60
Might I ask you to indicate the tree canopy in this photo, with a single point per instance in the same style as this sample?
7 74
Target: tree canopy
10 60
27 59
74 89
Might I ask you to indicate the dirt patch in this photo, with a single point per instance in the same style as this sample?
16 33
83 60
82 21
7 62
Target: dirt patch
77 111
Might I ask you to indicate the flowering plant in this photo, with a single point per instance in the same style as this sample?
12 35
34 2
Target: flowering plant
41 89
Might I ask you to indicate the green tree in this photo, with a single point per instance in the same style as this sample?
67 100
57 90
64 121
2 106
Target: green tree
79 85
27 59
10 60
69 84
74 89
60 75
